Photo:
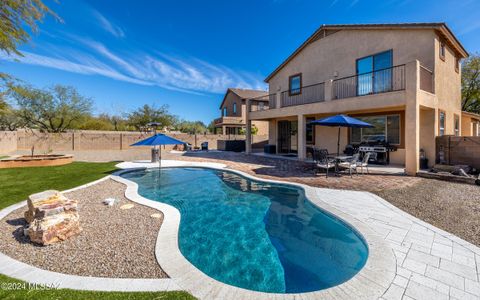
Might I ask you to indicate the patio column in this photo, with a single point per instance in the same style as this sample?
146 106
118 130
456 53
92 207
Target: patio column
248 129
301 137
412 119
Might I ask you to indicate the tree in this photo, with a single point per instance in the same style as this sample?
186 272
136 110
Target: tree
95 123
211 127
17 18
254 130
191 127
147 114
53 110
10 119
471 84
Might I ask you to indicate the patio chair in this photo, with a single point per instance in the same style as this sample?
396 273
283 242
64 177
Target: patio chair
351 164
364 162
321 160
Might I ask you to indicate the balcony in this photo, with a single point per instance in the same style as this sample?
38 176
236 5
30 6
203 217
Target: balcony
381 81
308 94
228 121
386 80
260 103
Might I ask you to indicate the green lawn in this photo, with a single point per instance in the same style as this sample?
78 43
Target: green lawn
17 184
26 293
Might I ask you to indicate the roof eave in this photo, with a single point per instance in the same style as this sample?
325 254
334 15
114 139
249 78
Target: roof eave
442 27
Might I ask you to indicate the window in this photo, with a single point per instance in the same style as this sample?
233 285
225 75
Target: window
374 73
457 64
441 123
310 131
456 125
442 51
224 112
386 129
235 108
261 106
295 84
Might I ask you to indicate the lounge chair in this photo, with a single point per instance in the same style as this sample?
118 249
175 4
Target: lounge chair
351 164
364 162
321 160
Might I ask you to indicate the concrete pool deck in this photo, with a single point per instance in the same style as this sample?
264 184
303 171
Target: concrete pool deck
410 259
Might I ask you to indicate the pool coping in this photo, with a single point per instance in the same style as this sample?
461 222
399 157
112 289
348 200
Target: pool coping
371 282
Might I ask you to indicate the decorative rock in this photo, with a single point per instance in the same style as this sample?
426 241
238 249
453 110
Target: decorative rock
156 216
127 206
48 203
52 217
55 228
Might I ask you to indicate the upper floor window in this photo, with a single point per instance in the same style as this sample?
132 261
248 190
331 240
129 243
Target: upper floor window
442 51
261 106
224 114
456 125
457 64
235 108
295 84
441 123
374 73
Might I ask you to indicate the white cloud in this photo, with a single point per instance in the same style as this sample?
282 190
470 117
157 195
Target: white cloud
108 25
190 75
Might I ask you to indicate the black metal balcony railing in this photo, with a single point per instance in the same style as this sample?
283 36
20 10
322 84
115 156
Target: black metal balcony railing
308 94
260 103
272 101
381 81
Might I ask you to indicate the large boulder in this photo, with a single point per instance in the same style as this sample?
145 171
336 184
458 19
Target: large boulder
52 217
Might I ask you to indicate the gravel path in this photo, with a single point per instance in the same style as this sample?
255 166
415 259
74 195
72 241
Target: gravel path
114 242
453 207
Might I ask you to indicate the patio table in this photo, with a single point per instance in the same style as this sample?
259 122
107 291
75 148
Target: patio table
338 159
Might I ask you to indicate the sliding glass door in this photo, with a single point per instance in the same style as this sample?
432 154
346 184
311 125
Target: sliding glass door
287 137
374 73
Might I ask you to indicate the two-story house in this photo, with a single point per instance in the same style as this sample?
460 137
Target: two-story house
402 78
234 112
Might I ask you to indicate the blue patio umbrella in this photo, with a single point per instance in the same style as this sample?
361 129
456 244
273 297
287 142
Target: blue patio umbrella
158 140
341 121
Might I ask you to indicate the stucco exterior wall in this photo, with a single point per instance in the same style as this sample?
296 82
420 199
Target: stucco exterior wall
447 86
334 57
338 53
470 125
230 99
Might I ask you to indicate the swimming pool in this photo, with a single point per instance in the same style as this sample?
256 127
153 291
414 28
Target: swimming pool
255 235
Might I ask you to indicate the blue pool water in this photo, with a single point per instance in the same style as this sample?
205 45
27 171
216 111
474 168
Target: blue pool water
255 235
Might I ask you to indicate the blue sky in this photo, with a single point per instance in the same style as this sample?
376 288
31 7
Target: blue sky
126 53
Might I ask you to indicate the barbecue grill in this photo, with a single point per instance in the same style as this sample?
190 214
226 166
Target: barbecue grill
380 151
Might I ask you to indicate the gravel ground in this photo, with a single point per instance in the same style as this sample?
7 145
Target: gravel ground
453 207
113 243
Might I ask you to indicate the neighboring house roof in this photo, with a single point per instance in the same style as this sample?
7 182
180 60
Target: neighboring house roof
244 94
472 115
325 30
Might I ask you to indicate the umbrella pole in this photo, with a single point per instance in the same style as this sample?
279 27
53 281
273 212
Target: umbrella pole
338 141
